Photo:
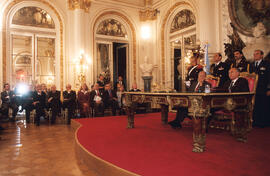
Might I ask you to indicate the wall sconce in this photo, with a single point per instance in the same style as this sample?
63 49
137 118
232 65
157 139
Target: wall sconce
82 66
145 32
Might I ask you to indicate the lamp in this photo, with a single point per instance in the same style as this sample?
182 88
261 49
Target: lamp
81 66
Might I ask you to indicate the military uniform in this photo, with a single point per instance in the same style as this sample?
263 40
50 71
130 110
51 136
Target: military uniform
220 70
241 66
261 108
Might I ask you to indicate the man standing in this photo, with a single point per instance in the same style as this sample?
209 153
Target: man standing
262 69
69 102
8 98
219 69
240 62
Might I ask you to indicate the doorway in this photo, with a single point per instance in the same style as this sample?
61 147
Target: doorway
177 70
120 51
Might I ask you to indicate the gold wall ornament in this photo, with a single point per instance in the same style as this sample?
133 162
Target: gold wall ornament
148 14
79 4
111 27
4 37
183 19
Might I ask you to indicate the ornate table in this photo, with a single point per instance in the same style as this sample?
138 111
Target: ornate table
199 107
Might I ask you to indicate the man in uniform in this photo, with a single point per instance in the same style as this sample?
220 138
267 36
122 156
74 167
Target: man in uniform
219 69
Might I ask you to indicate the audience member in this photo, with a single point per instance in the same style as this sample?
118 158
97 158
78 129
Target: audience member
96 100
110 98
39 100
28 103
121 82
8 98
134 88
69 102
54 102
83 101
119 94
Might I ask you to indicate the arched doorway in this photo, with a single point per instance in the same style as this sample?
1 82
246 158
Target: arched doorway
33 52
114 47
179 33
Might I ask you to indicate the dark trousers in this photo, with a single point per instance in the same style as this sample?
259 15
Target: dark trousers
39 112
113 104
5 108
28 110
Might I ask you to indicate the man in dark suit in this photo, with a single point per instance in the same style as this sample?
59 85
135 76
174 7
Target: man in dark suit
197 86
54 102
236 83
134 88
97 100
219 69
261 109
8 98
110 98
39 102
240 62
27 103
69 102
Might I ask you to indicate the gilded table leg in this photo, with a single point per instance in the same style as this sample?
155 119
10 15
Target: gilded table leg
130 117
241 126
198 134
164 113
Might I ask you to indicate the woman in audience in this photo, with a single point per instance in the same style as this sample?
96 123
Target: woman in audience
83 101
119 93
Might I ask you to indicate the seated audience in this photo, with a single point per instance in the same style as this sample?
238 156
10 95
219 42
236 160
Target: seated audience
83 101
27 103
54 102
8 98
182 112
69 102
110 98
96 100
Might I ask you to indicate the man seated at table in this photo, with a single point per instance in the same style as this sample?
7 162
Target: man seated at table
236 83
197 86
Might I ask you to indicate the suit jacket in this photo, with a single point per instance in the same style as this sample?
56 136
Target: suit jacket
263 72
221 71
69 99
92 97
200 89
9 97
133 90
242 65
55 102
40 98
107 97
241 85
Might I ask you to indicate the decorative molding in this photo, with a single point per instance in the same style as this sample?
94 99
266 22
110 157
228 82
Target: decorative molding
163 37
134 40
148 14
79 4
4 41
111 27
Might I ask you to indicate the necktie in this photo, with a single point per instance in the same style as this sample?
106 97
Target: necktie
230 87
97 93
110 93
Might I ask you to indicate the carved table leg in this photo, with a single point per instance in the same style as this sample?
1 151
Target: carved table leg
241 126
130 116
164 113
198 134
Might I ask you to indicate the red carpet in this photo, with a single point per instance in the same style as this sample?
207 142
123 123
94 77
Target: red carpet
153 149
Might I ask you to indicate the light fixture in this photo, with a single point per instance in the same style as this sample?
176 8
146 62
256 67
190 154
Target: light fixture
145 32
81 64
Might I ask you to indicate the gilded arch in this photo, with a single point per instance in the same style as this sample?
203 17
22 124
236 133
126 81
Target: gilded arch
133 35
4 41
165 20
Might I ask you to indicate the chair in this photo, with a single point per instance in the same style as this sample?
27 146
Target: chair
225 119
214 81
